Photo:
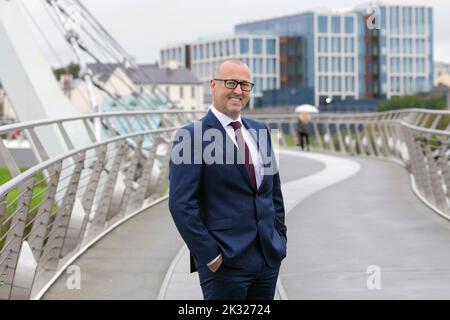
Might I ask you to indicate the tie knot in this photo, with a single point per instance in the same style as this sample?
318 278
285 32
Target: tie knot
236 125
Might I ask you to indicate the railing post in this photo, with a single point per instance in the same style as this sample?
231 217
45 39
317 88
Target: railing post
331 142
57 236
144 180
318 136
422 174
443 159
362 150
435 181
91 190
103 208
131 171
40 227
9 254
340 140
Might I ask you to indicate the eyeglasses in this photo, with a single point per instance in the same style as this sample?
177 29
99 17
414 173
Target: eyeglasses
232 84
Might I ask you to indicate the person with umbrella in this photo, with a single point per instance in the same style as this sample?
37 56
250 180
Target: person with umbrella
304 125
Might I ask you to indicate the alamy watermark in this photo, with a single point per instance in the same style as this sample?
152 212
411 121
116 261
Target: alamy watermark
212 147
374 280
73 281
374 19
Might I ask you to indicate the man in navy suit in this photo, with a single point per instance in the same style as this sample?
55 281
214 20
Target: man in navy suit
225 195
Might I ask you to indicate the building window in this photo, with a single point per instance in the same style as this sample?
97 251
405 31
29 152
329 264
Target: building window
258 85
336 84
323 24
181 93
350 84
269 66
270 44
409 84
420 66
408 65
395 48
243 43
233 47
323 64
407 20
336 64
207 54
349 45
394 23
349 65
200 49
336 24
214 49
257 46
395 84
168 90
420 46
408 46
395 65
336 45
323 84
193 92
258 65
421 84
323 44
420 21
349 25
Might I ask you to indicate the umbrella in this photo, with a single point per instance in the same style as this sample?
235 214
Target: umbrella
307 108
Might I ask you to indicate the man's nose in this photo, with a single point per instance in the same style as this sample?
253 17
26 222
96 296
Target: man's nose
238 89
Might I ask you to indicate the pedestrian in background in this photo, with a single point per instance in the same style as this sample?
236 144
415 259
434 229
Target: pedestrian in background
304 130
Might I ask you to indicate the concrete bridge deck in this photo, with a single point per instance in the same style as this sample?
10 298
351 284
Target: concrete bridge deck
343 215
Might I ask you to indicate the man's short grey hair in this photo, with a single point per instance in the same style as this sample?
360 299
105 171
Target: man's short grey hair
233 60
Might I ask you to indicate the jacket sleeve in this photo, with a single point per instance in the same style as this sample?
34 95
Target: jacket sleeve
185 183
277 196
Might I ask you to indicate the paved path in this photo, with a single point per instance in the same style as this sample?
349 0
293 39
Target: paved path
373 218
302 174
132 261
344 214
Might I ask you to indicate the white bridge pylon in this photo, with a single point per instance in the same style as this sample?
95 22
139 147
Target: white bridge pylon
29 81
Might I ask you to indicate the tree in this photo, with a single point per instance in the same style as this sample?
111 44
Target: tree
428 101
72 68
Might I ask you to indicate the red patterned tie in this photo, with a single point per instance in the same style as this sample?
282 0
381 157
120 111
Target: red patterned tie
246 155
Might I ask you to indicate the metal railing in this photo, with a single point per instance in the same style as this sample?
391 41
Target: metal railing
51 211
418 139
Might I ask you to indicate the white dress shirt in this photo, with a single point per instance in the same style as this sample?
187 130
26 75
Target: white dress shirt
251 143
249 140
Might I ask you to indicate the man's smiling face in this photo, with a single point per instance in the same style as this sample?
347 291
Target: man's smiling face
230 101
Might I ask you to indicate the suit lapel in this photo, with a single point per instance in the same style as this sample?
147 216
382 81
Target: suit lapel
213 122
255 134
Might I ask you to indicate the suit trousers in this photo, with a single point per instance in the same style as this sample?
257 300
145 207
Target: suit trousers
257 281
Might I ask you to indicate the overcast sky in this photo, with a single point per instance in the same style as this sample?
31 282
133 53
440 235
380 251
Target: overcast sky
145 26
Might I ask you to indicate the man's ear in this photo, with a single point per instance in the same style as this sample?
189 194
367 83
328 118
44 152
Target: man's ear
212 84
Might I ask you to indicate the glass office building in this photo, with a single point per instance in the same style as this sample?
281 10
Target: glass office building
332 41
347 59
406 49
260 52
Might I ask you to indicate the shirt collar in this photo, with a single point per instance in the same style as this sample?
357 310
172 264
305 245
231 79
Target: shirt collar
223 118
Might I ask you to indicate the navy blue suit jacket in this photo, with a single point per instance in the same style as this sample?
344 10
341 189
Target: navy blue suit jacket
215 207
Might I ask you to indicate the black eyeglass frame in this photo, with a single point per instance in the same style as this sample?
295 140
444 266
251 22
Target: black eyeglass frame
237 83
